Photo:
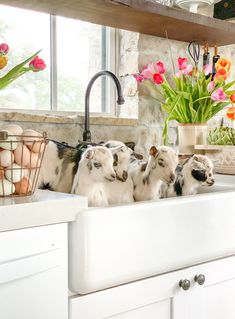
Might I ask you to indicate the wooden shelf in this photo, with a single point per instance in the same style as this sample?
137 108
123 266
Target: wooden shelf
139 16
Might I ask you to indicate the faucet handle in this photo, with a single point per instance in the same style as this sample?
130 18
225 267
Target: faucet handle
87 136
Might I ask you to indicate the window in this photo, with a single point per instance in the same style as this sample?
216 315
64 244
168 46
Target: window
73 51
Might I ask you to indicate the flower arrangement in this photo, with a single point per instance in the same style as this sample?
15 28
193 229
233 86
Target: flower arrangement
35 64
194 96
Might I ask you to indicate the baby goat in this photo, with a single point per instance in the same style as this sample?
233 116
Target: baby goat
121 190
94 169
148 176
58 167
193 173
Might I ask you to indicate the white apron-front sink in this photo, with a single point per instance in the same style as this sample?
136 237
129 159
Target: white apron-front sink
114 245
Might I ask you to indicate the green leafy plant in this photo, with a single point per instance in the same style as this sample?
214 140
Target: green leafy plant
194 97
221 136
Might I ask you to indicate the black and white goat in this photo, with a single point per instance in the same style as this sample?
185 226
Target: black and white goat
121 190
148 175
94 170
190 175
59 166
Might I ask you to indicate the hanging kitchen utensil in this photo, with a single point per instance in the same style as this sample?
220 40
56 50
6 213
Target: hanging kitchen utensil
194 52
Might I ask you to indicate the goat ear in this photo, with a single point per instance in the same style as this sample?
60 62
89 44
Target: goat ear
115 149
195 158
137 156
153 151
89 153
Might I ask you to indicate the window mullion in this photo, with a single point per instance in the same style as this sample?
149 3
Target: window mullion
104 66
53 66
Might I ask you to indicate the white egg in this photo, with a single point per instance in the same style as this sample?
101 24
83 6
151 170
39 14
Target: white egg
14 173
14 129
10 143
6 188
6 158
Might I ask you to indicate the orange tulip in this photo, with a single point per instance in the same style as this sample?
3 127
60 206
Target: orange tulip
232 98
3 61
223 64
231 113
222 73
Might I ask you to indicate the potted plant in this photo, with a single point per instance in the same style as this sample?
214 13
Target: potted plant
221 145
191 98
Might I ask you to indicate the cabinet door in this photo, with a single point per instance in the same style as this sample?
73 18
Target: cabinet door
218 292
33 273
215 299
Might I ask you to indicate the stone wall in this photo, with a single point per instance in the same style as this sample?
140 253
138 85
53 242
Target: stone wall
70 129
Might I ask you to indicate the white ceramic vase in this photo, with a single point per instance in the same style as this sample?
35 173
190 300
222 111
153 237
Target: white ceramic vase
190 135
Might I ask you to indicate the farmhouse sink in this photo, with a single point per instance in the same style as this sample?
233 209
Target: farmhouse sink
115 245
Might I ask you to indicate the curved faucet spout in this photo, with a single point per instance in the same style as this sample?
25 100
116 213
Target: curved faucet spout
120 100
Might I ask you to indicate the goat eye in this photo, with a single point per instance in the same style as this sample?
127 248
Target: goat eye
161 163
97 165
115 160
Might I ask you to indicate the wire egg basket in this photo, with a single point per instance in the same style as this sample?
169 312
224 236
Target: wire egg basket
21 158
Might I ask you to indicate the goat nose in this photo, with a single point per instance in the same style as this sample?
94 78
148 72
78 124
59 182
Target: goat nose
172 177
113 176
125 175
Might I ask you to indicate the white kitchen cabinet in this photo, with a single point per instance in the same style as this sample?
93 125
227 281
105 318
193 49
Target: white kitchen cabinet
33 273
162 297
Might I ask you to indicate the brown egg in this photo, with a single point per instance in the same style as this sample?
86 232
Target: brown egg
37 147
30 137
35 160
24 186
2 172
22 155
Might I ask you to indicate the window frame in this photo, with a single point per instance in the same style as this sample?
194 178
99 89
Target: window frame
108 62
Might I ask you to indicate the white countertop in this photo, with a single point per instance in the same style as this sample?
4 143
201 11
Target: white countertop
42 208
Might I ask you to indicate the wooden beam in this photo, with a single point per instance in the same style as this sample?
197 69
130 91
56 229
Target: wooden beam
139 16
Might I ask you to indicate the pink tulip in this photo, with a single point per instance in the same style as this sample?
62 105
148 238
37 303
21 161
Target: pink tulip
211 86
218 95
4 48
139 77
157 78
148 71
187 70
160 67
37 64
182 63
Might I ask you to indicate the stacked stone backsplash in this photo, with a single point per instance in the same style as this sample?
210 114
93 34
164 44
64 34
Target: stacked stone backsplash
70 129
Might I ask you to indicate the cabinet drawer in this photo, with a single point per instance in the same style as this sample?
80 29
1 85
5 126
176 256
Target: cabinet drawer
28 242
158 293
29 266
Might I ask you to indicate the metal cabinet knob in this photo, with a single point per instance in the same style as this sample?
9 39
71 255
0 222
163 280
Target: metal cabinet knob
184 284
200 279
